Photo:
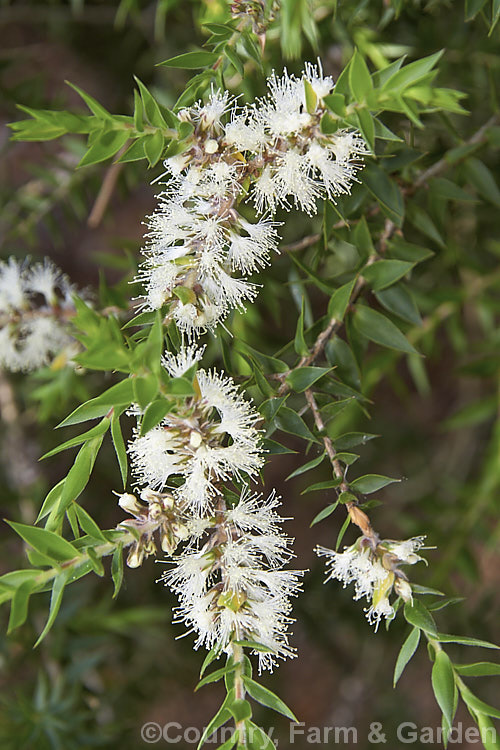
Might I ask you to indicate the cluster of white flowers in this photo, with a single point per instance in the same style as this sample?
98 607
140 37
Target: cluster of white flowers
34 305
200 248
212 438
374 570
229 576
234 587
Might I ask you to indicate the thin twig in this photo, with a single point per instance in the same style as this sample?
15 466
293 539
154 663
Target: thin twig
107 190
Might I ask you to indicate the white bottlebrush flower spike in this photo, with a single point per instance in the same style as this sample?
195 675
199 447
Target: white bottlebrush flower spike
211 439
374 570
34 305
272 151
235 588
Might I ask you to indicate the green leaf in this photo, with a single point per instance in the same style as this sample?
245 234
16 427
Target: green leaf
324 513
151 108
386 192
384 273
307 467
472 8
191 60
289 421
336 103
107 145
120 449
399 300
257 739
79 474
154 414
376 327
328 124
264 696
339 300
303 378
407 650
234 59
94 106
213 654
495 15
351 439
310 96
215 676
58 587
367 127
220 718
117 569
482 180
443 685
342 531
96 431
88 525
371 483
299 343
153 147
275 449
320 486
121 394
46 542
19 604
478 669
417 615
360 81
477 704
411 73
240 709
51 500
465 640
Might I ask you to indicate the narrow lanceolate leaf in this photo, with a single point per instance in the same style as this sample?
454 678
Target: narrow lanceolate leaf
19 604
416 614
465 641
215 676
327 485
478 669
307 467
96 431
407 650
289 421
477 704
120 449
267 698
191 60
46 542
386 192
324 513
339 300
371 483
220 718
384 273
443 684
299 343
117 569
376 327
360 81
303 378
58 587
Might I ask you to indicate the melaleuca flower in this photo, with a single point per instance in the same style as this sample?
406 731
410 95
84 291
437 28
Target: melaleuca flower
35 303
154 512
374 569
234 587
200 250
210 439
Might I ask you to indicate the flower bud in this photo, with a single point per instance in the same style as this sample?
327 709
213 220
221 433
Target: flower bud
403 589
